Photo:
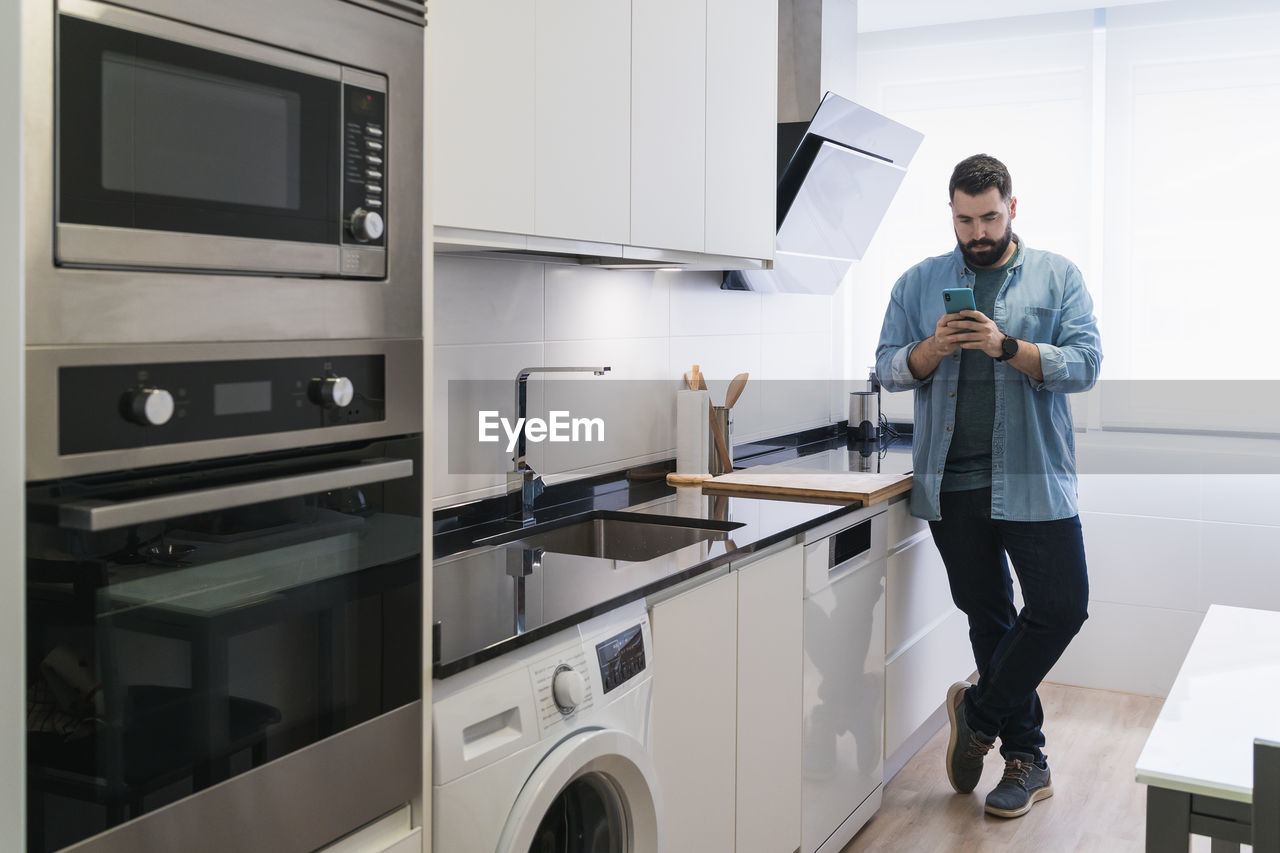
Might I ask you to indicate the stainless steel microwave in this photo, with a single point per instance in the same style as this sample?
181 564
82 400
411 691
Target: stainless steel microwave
201 172
180 147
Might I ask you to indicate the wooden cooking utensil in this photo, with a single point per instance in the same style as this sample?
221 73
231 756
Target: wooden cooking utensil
699 381
735 390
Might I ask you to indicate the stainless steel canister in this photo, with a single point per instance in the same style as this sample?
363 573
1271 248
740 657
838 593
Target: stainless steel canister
864 415
721 421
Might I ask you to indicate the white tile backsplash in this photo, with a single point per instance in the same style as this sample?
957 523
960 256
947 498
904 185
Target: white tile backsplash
720 358
481 301
635 401
584 304
796 392
700 307
795 356
475 473
649 327
797 312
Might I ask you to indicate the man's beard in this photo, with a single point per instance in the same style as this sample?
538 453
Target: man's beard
984 253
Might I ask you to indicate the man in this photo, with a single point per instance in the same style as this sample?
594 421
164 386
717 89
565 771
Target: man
994 460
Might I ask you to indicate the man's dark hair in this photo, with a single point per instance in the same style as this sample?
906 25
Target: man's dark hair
979 173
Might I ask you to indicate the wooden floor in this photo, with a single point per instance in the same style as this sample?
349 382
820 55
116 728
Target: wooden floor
1093 740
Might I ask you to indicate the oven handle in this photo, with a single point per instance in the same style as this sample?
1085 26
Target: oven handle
95 515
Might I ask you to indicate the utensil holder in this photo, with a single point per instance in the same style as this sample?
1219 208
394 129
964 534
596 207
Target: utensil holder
693 439
721 418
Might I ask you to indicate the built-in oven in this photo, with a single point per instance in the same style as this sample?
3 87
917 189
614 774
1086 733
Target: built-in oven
216 171
224 602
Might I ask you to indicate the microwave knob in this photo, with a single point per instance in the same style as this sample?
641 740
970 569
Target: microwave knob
149 406
366 225
333 392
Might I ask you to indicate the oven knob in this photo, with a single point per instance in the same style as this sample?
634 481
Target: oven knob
149 406
366 225
333 392
568 688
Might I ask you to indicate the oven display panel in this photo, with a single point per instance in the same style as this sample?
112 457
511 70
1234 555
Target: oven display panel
621 657
118 406
241 398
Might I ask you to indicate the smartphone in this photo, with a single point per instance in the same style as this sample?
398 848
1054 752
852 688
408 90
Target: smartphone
958 299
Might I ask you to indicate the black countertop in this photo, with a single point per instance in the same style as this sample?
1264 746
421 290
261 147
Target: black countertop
476 590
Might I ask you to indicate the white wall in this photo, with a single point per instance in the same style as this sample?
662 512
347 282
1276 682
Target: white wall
12 591
493 317
1172 524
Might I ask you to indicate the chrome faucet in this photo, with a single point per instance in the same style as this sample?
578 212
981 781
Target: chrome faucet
523 483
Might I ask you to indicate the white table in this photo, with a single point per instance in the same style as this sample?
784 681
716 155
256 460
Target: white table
1198 761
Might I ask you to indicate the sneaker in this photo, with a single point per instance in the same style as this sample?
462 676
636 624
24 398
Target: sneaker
967 748
1024 784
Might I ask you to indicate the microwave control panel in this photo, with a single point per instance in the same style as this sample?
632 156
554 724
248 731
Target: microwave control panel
364 166
121 406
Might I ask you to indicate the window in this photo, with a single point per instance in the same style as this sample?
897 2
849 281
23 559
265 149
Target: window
1141 143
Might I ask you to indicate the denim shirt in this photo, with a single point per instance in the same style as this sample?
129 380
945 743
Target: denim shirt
1043 300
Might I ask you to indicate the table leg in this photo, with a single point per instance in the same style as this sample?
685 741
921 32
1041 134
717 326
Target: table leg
1168 820
1217 845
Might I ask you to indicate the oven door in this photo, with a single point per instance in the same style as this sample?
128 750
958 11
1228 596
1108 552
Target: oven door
225 657
182 148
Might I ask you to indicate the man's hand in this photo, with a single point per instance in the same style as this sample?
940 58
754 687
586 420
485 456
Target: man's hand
931 351
972 330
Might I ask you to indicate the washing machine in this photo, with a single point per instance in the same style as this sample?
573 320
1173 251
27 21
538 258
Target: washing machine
547 748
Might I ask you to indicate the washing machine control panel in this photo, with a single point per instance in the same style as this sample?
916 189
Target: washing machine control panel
621 657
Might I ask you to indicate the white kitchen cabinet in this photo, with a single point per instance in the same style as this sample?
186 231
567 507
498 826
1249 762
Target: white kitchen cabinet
728 659
916 682
669 124
742 110
482 114
770 667
694 711
582 124
607 128
926 637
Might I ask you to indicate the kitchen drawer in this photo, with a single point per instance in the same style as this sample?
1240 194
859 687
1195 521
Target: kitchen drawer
916 681
902 524
917 594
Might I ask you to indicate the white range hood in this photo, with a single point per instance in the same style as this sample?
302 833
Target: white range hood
832 195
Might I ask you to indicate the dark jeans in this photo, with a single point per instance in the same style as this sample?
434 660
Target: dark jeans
1013 651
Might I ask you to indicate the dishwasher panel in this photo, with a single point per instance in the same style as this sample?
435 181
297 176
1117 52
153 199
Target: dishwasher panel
843 741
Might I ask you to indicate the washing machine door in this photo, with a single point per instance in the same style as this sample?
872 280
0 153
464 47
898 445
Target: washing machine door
593 793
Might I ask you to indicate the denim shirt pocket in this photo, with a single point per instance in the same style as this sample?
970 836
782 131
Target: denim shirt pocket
1039 325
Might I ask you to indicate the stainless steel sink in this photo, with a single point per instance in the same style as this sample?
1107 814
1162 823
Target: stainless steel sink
629 536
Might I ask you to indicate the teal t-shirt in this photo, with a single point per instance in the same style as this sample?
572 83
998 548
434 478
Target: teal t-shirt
969 457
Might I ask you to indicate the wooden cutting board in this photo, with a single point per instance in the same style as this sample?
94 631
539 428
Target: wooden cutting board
771 481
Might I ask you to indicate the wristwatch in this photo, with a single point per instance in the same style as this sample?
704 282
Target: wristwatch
1008 348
